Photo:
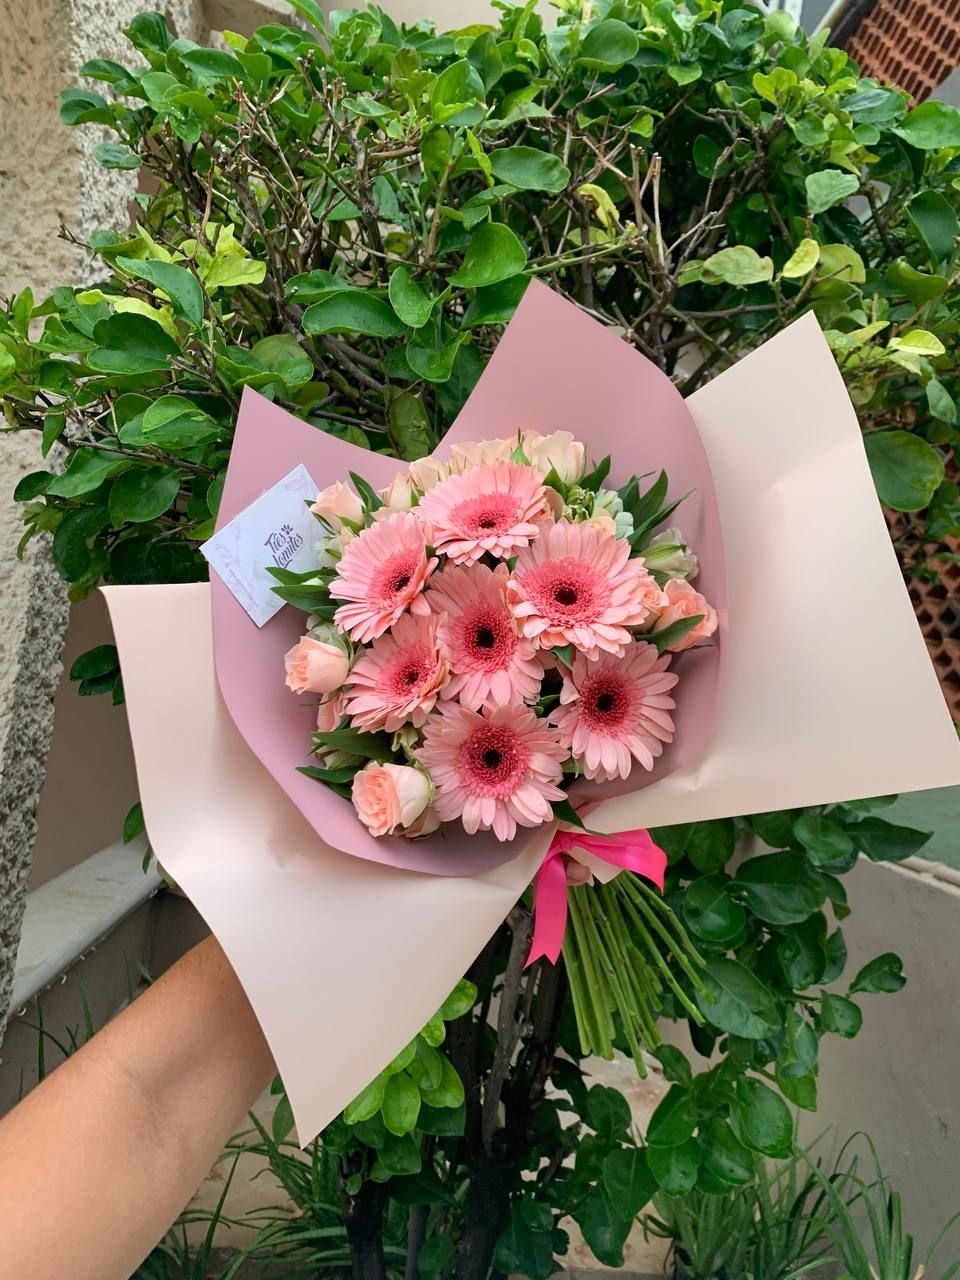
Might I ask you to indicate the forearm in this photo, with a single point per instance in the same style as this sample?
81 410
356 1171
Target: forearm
113 1144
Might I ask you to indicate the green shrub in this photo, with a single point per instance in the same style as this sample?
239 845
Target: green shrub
345 217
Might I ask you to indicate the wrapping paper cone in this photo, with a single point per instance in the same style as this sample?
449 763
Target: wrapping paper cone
827 695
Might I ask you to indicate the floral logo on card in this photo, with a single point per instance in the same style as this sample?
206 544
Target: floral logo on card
283 545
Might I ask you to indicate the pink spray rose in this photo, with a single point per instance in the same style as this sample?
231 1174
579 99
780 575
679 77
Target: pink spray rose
390 797
315 667
336 503
684 602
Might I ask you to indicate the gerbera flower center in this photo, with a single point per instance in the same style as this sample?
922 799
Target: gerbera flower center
485 638
567 590
412 675
394 576
487 515
492 761
605 702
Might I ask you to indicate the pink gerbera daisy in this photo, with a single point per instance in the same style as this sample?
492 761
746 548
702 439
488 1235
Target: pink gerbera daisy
494 507
495 769
398 679
577 585
381 573
491 664
616 709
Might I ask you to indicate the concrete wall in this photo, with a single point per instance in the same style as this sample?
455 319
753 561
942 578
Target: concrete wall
899 1080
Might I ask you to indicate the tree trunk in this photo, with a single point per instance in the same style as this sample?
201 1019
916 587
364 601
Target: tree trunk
363 1219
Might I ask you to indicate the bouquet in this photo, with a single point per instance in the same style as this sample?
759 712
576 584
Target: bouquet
507 625
742 690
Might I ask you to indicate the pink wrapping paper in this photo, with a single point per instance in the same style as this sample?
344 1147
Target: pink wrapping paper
827 694
604 392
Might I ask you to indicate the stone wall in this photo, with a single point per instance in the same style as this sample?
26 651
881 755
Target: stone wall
49 178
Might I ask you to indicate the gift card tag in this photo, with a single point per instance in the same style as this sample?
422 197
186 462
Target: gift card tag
279 531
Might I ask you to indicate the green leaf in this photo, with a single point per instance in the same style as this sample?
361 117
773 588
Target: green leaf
71 551
604 1230
81 106
627 1180
493 254
666 636
906 470
675 1168
432 362
883 974
281 1123
674 1120
32 485
824 841
180 285
609 45
941 403
931 126
838 262
802 261
401 1104
919 286
886 842
522 1249
213 64
442 1122
725 1156
399 1156
497 303
458 94
409 425
403 1059
113 155
86 471
739 266
802 953
710 913
840 1015
434 1033
460 1001
143 494
99 661
133 824
829 187
352 311
372 746
283 354
762 1119
426 1069
435 1254
936 223
779 888
530 169
918 342
131 344
800 1090
710 844
449 1093
737 1002
608 1112
366 1104
408 300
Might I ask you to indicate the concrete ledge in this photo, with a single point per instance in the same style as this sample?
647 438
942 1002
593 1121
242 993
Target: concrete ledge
71 913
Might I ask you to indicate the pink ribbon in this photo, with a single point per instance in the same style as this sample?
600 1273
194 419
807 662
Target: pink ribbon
630 850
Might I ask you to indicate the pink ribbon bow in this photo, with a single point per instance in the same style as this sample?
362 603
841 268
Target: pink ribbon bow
631 850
